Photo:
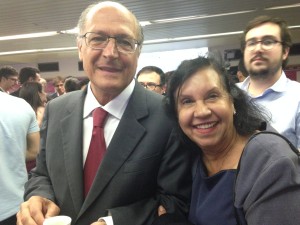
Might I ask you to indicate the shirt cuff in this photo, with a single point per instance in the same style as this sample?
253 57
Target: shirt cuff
108 220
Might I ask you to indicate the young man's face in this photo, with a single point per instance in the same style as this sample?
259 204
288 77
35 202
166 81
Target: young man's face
261 60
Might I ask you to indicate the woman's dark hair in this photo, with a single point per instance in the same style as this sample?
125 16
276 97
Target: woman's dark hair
249 116
30 93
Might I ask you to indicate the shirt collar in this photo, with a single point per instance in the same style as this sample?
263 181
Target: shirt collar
115 107
279 86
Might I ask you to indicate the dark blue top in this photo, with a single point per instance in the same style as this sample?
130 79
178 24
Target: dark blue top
212 198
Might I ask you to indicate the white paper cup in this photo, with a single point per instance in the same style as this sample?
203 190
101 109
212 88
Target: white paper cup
58 220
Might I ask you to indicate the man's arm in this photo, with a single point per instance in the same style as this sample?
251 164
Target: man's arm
33 144
174 183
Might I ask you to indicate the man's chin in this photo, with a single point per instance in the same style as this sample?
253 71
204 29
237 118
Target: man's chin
261 72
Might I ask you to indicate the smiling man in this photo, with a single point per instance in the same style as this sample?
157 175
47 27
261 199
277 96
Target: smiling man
143 164
266 43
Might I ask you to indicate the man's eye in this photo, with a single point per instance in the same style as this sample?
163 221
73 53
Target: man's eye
98 39
268 42
251 43
124 42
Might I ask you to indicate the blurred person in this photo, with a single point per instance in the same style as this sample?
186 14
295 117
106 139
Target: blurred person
152 78
71 84
19 135
245 172
8 78
242 73
26 74
58 83
266 43
43 83
83 83
168 78
144 164
33 93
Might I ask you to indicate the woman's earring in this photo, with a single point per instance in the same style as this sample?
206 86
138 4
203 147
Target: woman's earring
234 112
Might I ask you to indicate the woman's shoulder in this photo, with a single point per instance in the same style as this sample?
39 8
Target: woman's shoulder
271 144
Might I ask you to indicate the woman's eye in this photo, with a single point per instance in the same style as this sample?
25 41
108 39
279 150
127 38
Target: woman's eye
186 101
213 96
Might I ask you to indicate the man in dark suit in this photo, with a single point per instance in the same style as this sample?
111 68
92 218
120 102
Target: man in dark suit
144 165
58 83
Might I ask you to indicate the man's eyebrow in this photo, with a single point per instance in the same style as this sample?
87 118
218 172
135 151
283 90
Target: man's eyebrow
263 37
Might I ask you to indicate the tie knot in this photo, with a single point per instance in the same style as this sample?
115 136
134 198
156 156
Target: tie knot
99 116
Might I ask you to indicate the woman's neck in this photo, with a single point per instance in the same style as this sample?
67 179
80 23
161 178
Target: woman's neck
225 158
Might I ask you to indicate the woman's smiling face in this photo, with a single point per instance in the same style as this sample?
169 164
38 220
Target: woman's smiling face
205 110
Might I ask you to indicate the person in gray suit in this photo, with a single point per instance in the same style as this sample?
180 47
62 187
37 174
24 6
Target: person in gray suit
144 164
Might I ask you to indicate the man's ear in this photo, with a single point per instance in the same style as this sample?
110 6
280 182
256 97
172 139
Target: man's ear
285 53
79 46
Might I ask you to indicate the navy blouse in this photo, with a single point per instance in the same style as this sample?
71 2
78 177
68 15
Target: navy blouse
212 198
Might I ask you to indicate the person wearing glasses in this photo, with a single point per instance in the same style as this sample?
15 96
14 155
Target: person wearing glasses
144 164
266 43
152 78
8 78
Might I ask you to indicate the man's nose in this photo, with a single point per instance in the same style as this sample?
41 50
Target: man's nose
111 48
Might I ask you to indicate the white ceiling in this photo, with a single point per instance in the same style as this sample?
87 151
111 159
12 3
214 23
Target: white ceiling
31 16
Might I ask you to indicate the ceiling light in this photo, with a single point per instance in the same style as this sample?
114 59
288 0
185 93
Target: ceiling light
187 38
294 27
75 30
38 51
145 23
284 6
32 35
186 18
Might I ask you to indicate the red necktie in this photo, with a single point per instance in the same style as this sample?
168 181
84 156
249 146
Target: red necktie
97 149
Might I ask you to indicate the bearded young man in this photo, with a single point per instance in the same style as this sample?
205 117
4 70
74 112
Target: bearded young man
266 43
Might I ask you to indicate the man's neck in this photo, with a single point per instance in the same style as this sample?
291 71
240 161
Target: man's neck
258 85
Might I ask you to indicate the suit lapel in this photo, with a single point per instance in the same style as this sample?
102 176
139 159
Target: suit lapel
128 134
71 133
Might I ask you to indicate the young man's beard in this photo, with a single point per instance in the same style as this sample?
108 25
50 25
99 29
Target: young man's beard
262 73
265 72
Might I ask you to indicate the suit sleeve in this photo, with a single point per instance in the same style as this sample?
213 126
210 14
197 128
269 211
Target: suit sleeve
173 189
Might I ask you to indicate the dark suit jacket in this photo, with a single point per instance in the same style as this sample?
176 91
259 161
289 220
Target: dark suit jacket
144 165
52 96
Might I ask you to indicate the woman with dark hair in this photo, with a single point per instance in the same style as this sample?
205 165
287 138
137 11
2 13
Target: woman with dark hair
33 93
244 172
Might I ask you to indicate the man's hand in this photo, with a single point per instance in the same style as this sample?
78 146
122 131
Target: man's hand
35 210
99 222
161 210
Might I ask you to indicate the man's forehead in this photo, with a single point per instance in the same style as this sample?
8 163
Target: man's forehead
106 6
262 30
108 15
